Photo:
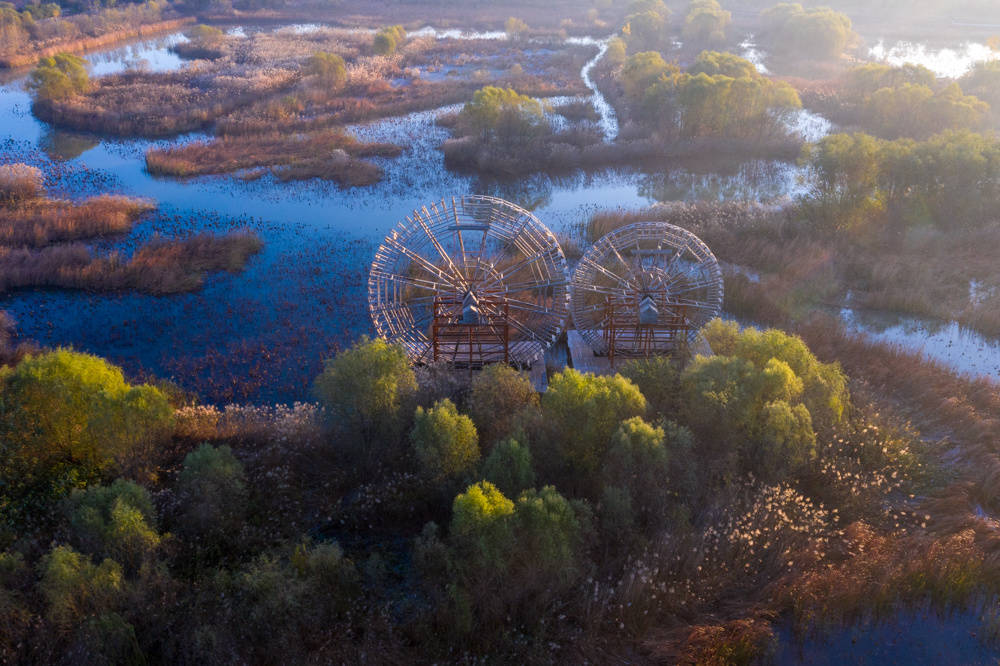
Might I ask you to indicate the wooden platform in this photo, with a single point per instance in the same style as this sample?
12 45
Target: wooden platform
539 376
582 357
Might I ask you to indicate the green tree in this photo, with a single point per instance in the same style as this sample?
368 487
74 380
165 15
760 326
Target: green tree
755 408
706 22
329 68
615 55
445 441
75 588
67 420
212 497
819 33
824 385
515 28
497 394
368 392
387 40
205 36
509 467
581 412
116 522
58 77
658 379
715 63
504 116
511 558
862 81
983 81
641 71
645 30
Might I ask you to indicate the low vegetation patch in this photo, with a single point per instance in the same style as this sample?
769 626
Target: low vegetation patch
328 155
40 243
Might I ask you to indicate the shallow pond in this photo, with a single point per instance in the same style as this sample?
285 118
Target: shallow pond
908 637
958 348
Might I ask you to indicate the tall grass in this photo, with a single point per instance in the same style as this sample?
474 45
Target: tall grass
40 222
160 267
330 155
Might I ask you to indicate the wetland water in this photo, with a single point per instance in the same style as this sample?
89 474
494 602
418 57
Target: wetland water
268 328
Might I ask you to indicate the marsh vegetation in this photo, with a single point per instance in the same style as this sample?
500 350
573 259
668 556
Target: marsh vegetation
800 480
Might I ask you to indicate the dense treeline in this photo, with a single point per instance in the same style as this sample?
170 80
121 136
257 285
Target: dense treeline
905 101
951 180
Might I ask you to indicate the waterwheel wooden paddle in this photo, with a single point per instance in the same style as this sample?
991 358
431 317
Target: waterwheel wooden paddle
645 289
470 280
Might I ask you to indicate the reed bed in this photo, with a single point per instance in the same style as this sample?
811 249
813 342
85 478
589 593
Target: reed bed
160 267
329 155
41 222
156 104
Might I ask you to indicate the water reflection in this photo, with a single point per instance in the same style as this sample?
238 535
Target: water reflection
949 62
961 349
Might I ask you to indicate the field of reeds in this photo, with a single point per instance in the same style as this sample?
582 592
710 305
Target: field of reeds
327 155
42 243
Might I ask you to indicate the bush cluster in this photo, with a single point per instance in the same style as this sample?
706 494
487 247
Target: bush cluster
720 94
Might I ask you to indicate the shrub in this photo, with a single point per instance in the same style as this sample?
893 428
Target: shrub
818 33
511 558
658 379
66 420
752 407
581 413
58 77
75 588
706 22
387 40
503 115
329 68
824 385
368 392
205 35
496 395
509 468
515 28
279 609
20 182
646 29
116 522
212 497
615 55
445 441
641 463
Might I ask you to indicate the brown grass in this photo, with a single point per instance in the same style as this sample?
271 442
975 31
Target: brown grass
157 104
40 222
330 155
161 267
